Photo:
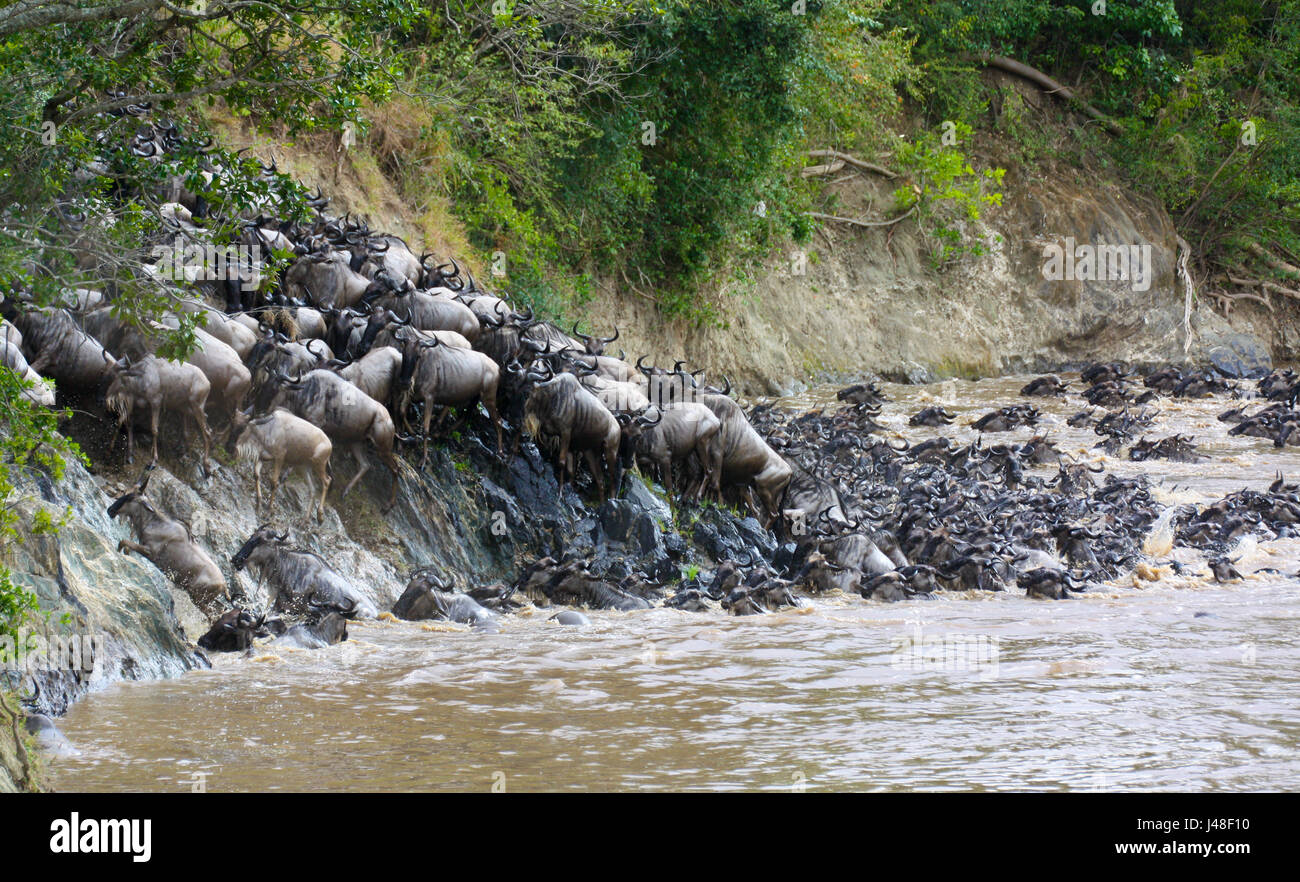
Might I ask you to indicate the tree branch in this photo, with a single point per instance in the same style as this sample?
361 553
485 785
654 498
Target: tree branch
1051 86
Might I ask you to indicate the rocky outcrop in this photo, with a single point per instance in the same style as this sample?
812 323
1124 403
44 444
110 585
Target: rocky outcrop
470 516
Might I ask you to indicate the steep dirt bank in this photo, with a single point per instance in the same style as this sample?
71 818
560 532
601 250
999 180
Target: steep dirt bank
870 302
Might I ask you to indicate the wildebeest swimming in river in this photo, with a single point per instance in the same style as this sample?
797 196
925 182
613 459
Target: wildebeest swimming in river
300 581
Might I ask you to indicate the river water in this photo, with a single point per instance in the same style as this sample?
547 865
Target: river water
1172 682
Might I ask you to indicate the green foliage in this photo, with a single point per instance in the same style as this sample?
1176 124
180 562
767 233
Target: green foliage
653 143
1223 153
946 191
1122 54
1189 84
29 443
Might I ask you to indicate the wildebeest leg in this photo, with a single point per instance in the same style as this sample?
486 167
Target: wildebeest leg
276 466
490 404
323 473
128 420
200 417
704 459
596 472
128 545
665 466
154 413
257 486
564 456
362 468
428 418
615 466
386 455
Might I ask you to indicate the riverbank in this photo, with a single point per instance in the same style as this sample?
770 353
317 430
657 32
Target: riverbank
21 765
1146 674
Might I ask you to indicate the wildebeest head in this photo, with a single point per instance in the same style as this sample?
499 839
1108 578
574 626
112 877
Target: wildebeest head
261 535
134 496
233 632
594 345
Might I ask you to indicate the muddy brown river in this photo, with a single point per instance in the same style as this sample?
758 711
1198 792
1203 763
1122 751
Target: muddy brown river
1144 684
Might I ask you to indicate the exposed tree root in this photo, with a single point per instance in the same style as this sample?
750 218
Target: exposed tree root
861 223
839 160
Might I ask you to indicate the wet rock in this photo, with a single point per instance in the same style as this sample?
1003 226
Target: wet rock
752 532
910 373
570 617
724 536
617 518
1239 356
649 538
48 736
643 499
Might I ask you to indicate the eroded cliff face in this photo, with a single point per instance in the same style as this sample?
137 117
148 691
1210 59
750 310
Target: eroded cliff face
870 300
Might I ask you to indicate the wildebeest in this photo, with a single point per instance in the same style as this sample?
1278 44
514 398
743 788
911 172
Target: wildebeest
327 280
152 385
429 312
427 596
745 457
683 428
56 348
346 414
168 545
41 392
234 631
299 581
443 375
284 440
563 408
375 373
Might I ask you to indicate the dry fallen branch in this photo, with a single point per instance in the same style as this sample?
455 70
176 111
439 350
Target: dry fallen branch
1274 262
829 168
1225 300
1265 285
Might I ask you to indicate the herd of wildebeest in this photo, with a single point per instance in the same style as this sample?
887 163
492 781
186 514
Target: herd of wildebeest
359 342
